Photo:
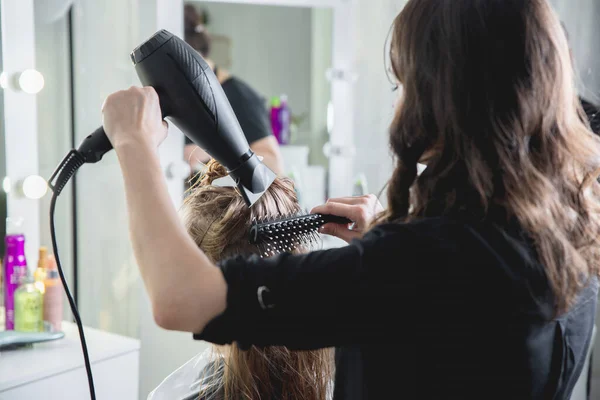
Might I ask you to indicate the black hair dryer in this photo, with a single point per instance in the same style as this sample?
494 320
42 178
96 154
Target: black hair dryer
193 99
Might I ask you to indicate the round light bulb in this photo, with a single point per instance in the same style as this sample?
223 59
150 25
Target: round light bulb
330 117
6 184
31 81
34 187
3 80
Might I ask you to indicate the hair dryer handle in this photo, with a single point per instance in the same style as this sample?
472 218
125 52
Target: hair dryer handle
95 146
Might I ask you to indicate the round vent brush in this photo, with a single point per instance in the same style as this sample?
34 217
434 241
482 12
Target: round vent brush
280 235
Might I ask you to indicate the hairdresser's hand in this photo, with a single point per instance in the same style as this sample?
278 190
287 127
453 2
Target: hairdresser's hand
132 118
361 210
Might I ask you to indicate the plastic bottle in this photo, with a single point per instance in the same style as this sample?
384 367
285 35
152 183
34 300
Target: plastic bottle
29 303
40 273
15 267
275 118
360 186
53 297
2 312
285 118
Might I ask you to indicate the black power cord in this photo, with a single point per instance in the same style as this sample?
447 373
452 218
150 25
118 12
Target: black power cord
63 173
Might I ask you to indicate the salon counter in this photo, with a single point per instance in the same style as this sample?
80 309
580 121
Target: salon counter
55 370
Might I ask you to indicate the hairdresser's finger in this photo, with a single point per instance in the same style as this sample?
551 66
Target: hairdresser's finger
361 215
340 231
354 200
338 209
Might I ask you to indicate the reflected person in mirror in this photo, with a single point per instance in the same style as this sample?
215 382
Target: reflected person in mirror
249 107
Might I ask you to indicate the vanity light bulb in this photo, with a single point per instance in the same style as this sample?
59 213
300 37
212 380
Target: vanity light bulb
31 81
3 80
34 187
330 117
6 184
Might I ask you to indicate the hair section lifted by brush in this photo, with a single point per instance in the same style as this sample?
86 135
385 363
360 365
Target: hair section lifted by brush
218 220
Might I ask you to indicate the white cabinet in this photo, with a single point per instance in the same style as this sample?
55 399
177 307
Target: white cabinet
55 370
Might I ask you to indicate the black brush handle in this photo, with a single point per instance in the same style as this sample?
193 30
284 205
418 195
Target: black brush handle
334 219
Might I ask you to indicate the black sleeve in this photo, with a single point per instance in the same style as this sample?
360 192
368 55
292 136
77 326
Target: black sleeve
326 298
249 108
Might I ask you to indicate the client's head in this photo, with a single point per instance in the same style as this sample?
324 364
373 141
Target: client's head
218 220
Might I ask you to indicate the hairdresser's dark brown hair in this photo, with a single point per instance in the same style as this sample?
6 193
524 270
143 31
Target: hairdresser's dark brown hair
194 30
489 101
218 220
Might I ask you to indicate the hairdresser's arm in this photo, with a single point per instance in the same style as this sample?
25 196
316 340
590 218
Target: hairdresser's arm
185 288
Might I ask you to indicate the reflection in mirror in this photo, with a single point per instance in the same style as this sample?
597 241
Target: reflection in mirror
3 177
272 62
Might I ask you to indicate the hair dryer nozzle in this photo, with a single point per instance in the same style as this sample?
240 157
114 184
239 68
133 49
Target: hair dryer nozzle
253 178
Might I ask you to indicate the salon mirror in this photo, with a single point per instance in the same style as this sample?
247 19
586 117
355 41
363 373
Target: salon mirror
283 53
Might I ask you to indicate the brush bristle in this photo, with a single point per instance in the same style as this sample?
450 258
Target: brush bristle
286 233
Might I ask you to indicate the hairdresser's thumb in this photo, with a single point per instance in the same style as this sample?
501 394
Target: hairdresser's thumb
340 231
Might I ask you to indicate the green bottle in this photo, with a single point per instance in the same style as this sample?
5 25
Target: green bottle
29 307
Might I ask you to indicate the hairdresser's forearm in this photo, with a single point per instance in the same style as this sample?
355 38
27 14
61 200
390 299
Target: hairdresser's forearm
185 288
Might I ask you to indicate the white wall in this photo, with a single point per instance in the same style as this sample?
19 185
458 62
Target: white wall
584 31
373 98
271 48
321 61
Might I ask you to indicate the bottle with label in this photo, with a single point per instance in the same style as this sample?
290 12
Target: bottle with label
53 297
40 273
360 186
2 312
276 118
15 267
285 118
29 305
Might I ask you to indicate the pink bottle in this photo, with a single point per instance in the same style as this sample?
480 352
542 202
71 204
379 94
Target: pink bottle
15 268
276 118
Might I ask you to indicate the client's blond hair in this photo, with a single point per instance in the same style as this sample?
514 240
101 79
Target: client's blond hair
218 220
